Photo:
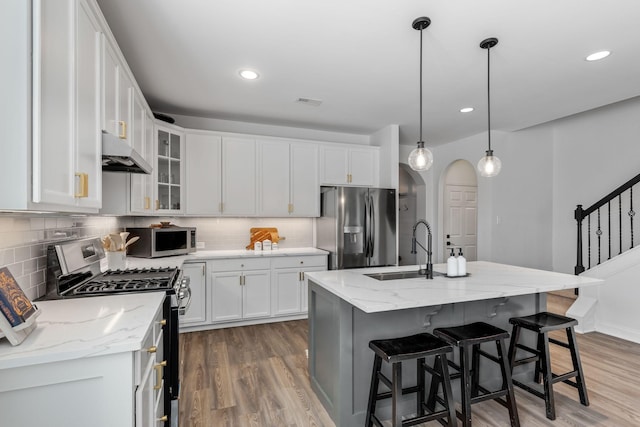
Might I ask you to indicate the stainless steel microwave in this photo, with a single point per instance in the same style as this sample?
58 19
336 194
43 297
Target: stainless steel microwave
159 242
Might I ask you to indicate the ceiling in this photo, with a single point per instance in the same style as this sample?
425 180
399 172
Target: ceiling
361 58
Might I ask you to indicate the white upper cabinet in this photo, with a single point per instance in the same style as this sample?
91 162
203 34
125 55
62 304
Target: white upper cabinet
66 106
304 187
203 173
288 179
238 176
348 165
117 94
169 170
142 138
274 178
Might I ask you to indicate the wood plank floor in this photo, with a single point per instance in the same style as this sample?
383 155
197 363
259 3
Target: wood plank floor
257 376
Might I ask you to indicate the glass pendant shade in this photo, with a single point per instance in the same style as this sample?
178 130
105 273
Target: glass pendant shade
420 159
489 165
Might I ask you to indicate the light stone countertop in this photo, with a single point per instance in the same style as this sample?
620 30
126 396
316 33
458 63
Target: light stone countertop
486 280
84 327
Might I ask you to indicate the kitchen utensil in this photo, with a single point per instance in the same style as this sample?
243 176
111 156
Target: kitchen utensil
132 240
116 241
106 243
123 236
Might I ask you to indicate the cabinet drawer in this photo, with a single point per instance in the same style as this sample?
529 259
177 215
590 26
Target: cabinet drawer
241 264
300 261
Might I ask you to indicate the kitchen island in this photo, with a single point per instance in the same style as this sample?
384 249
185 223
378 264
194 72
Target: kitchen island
347 309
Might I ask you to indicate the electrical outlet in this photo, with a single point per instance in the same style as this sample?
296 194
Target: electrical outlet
199 245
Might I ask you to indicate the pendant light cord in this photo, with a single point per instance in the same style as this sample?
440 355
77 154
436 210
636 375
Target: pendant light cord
489 95
420 142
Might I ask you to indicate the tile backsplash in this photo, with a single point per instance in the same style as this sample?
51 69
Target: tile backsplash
233 233
24 237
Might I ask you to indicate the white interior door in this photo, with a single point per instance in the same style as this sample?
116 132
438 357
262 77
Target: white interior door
461 220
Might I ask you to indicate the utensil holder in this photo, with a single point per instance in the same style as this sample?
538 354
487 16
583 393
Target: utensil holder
117 260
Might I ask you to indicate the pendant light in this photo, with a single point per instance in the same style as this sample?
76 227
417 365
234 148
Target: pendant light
420 159
489 165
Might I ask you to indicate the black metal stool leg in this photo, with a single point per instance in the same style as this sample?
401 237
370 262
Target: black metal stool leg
439 366
515 336
446 390
539 368
475 369
577 366
508 384
465 385
396 393
420 371
373 390
547 378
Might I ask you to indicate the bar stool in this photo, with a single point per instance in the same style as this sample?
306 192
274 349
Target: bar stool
468 339
543 323
395 351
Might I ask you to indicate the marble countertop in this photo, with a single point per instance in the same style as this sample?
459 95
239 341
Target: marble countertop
486 280
84 327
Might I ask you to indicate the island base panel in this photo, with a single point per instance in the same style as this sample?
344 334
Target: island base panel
340 359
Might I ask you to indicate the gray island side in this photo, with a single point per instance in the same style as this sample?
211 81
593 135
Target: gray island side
347 309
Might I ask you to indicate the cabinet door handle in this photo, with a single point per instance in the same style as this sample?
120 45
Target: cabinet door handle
221 207
159 370
123 129
163 419
152 349
302 276
82 185
147 203
157 204
163 322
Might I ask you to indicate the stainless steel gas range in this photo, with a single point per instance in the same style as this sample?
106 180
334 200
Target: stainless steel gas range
73 271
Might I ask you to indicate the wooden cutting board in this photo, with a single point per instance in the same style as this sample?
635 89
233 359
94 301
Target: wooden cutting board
259 234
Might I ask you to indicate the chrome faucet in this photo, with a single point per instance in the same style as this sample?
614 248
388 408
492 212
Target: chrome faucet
414 242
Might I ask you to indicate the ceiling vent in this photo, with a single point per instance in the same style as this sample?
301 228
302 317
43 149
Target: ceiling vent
309 101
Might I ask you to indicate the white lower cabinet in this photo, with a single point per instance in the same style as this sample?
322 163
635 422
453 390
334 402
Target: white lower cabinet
248 290
241 289
120 389
289 284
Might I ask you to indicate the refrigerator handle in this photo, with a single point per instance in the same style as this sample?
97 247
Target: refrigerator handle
372 226
365 237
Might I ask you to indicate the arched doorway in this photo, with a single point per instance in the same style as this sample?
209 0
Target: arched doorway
460 210
411 207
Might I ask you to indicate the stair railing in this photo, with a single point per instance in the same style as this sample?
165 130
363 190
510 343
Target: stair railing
610 234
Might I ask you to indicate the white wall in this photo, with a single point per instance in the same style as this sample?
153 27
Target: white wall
593 153
525 214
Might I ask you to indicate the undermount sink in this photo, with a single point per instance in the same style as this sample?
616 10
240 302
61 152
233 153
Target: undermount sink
398 275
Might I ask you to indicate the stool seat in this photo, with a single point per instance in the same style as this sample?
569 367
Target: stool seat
544 322
471 333
411 347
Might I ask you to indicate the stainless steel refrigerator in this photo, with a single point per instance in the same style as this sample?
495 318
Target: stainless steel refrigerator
357 226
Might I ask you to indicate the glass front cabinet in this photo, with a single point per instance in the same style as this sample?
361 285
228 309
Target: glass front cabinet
169 171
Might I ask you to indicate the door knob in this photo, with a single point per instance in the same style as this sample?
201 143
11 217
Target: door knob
448 243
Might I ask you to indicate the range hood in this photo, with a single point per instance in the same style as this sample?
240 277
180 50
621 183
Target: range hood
118 156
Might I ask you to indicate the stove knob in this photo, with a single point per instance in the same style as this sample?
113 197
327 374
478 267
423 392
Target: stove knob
182 295
185 282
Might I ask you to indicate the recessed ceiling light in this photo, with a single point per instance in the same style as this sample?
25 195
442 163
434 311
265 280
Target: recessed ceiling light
249 74
598 55
466 109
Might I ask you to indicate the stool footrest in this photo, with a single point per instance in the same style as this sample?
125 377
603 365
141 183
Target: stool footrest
563 377
529 389
489 396
525 360
560 343
408 390
529 349
489 356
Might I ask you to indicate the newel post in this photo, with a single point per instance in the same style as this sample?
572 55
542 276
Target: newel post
579 216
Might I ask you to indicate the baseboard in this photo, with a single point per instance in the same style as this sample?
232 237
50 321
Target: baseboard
618 332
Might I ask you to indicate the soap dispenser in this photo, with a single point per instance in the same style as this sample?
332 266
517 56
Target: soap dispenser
452 265
462 264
